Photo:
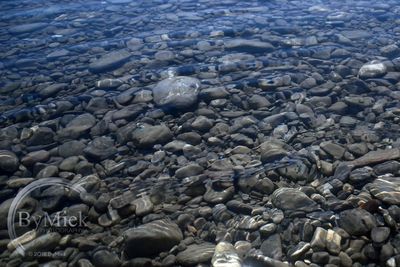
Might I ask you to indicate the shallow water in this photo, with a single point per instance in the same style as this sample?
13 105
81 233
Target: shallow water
269 125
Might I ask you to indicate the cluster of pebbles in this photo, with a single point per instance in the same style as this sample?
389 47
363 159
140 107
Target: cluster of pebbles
205 133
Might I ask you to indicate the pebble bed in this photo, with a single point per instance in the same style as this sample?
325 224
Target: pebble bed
205 133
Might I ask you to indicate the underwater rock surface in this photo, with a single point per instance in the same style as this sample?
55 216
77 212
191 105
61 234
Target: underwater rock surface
200 133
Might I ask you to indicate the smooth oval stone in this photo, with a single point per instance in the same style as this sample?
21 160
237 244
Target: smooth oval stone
176 92
357 221
225 256
292 199
110 61
151 238
386 189
149 135
8 161
195 254
372 69
24 28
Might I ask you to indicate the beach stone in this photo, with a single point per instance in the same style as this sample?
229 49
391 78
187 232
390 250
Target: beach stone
189 170
225 255
46 242
272 247
76 127
53 89
143 206
148 135
272 150
71 148
372 69
25 28
333 149
249 46
110 61
357 221
100 148
380 234
34 157
151 238
292 199
8 161
105 258
386 189
196 254
176 92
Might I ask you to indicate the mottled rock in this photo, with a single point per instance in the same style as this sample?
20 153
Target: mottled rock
148 135
195 254
372 69
8 161
357 221
386 189
151 238
110 61
292 199
176 92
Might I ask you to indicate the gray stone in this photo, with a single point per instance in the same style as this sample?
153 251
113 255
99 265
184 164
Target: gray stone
357 221
272 247
110 61
8 161
386 189
292 199
25 28
176 92
250 46
147 135
53 89
195 254
380 234
152 238
372 69
105 258
100 148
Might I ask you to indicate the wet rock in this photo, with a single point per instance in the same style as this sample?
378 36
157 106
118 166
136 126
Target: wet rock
292 199
100 148
34 157
195 254
143 206
52 89
46 242
272 150
148 135
25 28
108 83
105 258
272 247
189 170
8 161
250 46
225 255
390 51
110 61
372 69
209 94
176 92
357 221
76 127
380 234
386 189
152 238
377 156
71 148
